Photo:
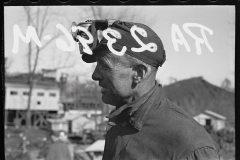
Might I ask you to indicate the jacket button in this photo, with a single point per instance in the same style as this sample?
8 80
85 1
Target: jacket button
124 124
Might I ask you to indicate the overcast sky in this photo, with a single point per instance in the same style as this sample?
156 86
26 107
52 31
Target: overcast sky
212 66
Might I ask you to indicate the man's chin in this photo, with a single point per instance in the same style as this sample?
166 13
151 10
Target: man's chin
105 99
108 100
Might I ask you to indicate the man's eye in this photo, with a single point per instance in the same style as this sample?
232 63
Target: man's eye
103 66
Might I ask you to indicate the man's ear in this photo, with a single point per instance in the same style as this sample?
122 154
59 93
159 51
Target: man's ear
140 73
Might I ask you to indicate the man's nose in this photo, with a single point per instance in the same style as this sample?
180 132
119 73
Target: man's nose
96 76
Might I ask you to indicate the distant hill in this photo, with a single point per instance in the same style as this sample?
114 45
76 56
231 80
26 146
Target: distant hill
196 94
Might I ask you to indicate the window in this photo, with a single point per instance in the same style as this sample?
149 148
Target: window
25 93
52 94
208 122
13 92
40 94
60 126
38 102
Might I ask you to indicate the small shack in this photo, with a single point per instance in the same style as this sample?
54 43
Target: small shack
73 123
210 118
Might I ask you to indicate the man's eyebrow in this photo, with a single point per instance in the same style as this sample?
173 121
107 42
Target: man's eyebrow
101 61
98 59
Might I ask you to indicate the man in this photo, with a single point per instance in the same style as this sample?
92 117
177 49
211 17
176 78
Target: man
58 150
144 125
64 138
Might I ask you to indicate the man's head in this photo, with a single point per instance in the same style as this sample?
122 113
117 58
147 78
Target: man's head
122 78
127 77
54 136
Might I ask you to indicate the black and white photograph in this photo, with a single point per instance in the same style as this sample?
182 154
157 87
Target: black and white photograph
119 82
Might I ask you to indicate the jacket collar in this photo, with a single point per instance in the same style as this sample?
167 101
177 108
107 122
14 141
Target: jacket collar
136 112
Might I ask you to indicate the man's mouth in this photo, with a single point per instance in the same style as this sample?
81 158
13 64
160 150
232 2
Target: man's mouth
103 90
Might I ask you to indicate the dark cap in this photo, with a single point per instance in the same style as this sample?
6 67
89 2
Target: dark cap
155 59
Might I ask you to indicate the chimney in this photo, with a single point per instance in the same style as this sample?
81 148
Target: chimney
63 78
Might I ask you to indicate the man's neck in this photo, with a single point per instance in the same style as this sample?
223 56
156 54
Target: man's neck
139 91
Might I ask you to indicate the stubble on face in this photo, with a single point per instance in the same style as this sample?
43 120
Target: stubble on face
116 79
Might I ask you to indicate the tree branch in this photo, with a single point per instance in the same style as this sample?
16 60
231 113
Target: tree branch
37 21
95 15
53 38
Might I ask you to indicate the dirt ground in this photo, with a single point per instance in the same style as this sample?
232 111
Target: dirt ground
23 143
32 144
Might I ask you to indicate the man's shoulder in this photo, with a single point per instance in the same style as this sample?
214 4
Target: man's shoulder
172 121
171 111
177 110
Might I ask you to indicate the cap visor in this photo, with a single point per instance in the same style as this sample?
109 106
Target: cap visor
88 58
99 51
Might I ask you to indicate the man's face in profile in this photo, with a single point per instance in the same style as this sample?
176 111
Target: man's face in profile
115 78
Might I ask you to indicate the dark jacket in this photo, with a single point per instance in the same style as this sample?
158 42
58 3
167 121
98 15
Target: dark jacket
154 128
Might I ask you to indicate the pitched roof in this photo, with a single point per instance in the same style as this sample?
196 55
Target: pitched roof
39 80
70 116
202 115
211 113
97 146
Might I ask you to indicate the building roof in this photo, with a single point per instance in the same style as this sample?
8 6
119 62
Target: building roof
211 113
97 146
202 115
39 80
51 120
68 116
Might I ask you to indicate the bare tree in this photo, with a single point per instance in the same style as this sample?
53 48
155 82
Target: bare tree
226 84
119 13
61 60
40 18
7 64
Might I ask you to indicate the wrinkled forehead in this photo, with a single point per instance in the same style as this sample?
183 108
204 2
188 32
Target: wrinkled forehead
107 60
101 53
105 56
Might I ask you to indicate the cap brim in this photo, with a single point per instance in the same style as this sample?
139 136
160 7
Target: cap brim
88 58
100 51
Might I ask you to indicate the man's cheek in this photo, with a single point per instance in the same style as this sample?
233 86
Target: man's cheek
123 76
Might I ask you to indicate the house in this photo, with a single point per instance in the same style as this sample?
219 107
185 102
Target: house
210 118
45 100
73 122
